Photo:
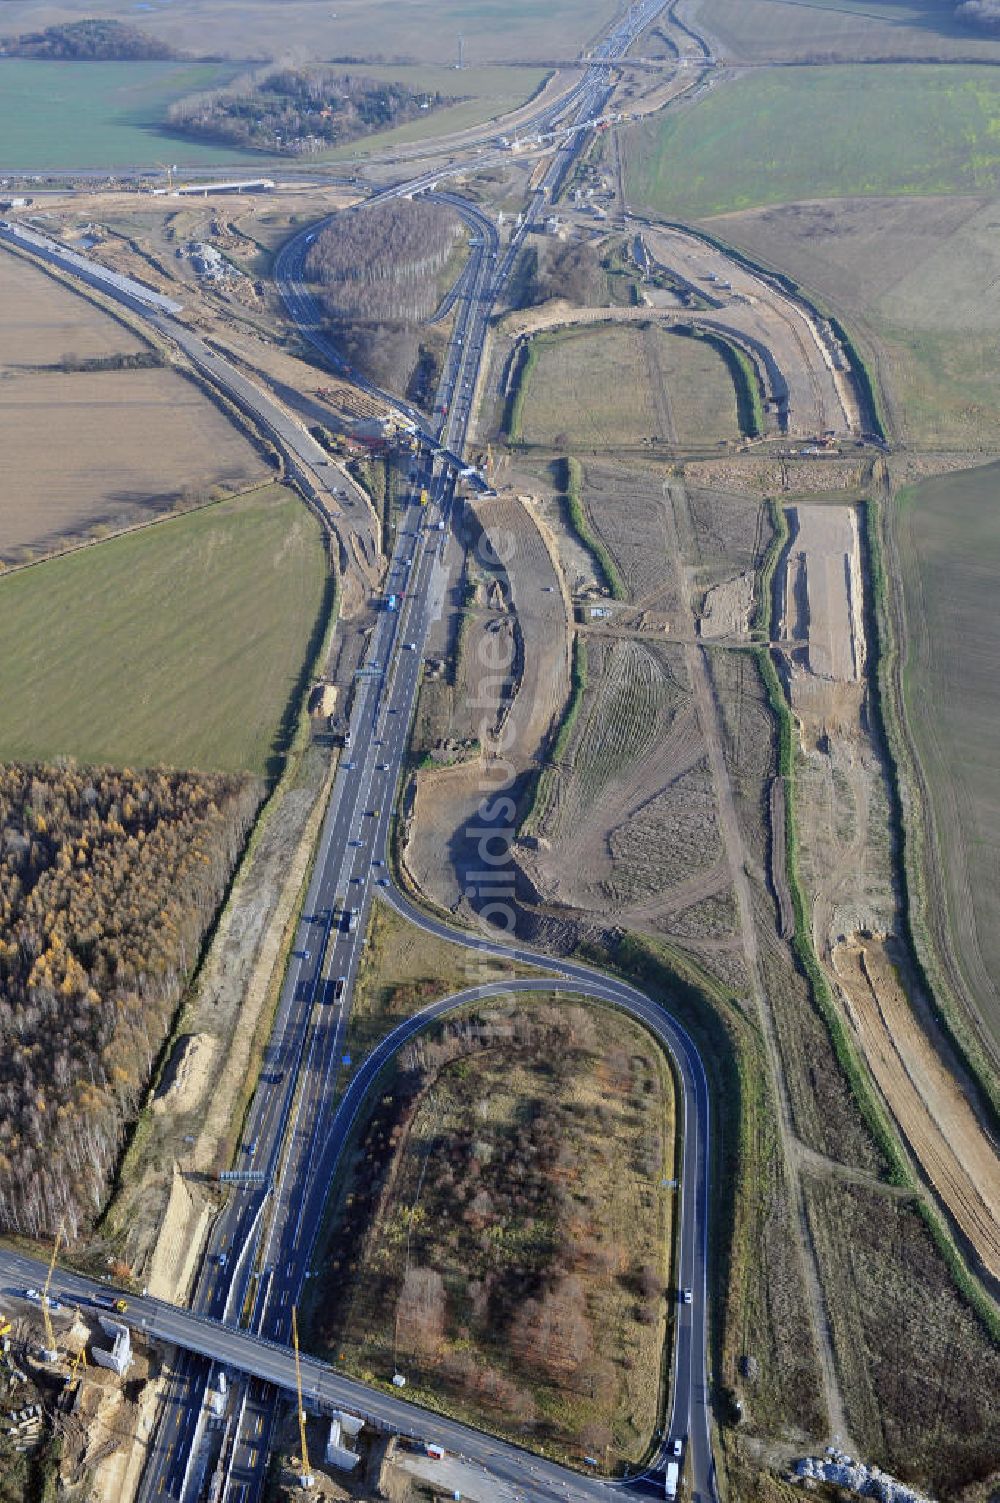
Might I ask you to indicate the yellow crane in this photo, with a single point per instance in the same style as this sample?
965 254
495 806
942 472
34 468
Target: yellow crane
169 173
79 1361
306 1478
50 1353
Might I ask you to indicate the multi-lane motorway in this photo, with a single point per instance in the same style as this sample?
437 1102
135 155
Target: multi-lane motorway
259 1252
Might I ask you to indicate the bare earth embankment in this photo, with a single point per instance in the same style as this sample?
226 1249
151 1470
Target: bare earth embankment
847 864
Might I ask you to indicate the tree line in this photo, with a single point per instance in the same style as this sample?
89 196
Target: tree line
88 41
109 879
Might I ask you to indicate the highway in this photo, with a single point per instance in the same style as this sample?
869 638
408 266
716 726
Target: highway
259 1251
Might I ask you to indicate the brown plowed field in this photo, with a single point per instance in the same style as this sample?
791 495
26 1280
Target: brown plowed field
42 321
93 451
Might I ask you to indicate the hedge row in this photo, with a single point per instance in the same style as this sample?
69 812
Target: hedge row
571 481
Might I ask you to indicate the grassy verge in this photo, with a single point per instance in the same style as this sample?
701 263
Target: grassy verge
872 406
570 480
374 476
763 611
543 787
578 686
526 360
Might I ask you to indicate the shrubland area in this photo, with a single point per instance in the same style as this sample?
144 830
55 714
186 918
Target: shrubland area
109 879
503 1238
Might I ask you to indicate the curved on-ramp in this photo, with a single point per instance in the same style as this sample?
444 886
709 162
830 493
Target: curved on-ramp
690 1418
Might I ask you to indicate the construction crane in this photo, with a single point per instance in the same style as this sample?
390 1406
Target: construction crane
49 1353
169 174
306 1478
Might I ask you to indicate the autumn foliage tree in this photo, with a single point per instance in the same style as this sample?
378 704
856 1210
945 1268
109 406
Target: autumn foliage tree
109 879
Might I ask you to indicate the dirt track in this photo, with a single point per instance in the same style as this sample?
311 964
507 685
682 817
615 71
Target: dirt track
924 1097
786 345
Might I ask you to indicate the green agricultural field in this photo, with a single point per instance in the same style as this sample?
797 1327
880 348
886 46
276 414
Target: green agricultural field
110 115
184 643
796 133
949 530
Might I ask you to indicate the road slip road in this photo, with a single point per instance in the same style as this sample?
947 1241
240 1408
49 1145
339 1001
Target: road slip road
259 1251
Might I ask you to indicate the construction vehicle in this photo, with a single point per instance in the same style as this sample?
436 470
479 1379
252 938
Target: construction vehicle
49 1353
5 1327
106 1302
306 1478
74 1375
425 496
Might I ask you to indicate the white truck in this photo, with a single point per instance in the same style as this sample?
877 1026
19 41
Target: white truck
670 1479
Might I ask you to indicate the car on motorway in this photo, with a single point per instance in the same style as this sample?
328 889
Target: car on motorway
355 843
677 1448
410 646
381 767
687 1296
34 1295
348 766
382 881
338 988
